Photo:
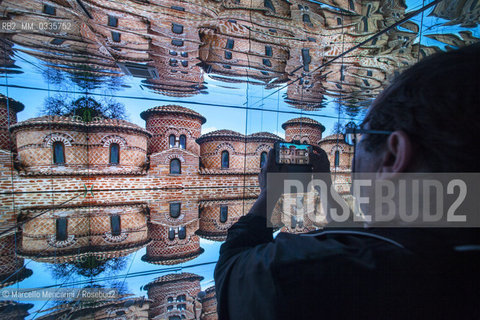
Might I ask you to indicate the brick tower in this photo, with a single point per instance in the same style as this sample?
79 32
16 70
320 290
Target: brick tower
166 122
8 116
174 296
303 129
172 245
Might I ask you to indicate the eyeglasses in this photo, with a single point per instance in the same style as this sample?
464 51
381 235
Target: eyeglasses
353 133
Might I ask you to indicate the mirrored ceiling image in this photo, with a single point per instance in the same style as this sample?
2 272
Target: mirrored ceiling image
132 132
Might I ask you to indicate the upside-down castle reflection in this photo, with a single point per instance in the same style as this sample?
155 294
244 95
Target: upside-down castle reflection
174 45
173 296
107 187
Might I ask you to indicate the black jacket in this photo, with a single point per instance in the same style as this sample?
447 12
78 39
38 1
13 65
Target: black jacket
348 274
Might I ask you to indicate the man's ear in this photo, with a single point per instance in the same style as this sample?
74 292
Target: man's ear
397 156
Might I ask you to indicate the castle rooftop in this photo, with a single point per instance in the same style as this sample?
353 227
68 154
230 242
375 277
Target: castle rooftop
76 121
303 121
264 136
174 277
18 106
174 110
215 135
334 137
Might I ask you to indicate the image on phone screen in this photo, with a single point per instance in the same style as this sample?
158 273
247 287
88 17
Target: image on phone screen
289 153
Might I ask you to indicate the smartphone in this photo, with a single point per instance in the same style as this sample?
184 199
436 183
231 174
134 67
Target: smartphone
292 153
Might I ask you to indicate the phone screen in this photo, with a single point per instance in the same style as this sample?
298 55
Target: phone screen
292 154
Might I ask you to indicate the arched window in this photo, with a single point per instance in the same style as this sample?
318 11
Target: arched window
175 209
223 214
337 158
61 233
182 233
293 222
114 153
171 234
115 225
263 158
183 141
171 140
175 167
225 159
181 298
58 153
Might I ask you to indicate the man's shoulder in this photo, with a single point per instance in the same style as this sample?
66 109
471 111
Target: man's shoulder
348 248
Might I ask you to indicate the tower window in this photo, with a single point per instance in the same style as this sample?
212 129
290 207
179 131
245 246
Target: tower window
223 214
177 42
268 51
177 28
181 298
114 153
228 55
339 21
230 44
171 141
269 5
263 158
48 9
351 5
183 141
182 233
337 158
112 21
171 234
115 36
306 19
175 167
115 225
61 229
58 153
175 209
225 159
57 41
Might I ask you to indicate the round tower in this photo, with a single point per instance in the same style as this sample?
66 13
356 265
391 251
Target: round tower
57 144
258 146
8 117
173 127
340 155
303 129
222 150
217 216
172 244
209 305
174 296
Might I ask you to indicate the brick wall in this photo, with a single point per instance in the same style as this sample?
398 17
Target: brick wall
5 137
162 250
87 228
173 286
310 134
9 262
211 227
163 125
209 305
82 150
242 155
